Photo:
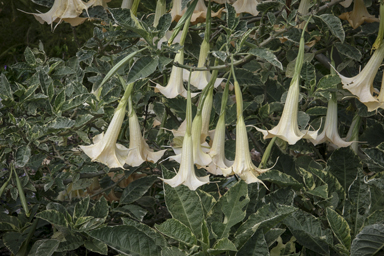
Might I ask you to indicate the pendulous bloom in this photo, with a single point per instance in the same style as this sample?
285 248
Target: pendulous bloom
247 6
186 174
139 150
330 132
358 15
361 85
199 14
105 149
288 128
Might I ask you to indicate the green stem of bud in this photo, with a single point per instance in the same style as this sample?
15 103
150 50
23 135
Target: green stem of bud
5 184
135 6
23 200
239 96
380 35
267 153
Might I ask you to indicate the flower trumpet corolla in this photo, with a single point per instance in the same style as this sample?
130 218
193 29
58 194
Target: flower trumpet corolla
139 150
288 128
176 11
242 166
330 132
206 115
361 85
126 4
358 15
186 174
248 6
217 151
63 10
175 84
105 149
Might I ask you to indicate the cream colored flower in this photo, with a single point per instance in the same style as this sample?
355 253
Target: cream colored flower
242 166
358 15
199 14
186 174
206 115
361 85
217 152
247 6
288 128
105 149
176 11
139 150
126 4
330 132
175 84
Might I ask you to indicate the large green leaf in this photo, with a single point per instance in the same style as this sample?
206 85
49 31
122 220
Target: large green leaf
177 231
13 241
127 240
5 88
54 217
308 231
359 198
142 68
334 25
221 246
264 219
156 236
184 205
22 156
339 227
44 247
343 164
255 246
99 209
266 55
96 246
281 179
137 189
81 208
230 209
369 241
349 51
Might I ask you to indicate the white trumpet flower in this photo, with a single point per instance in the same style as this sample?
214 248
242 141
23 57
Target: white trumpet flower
176 11
358 15
105 149
288 128
330 132
206 115
361 85
248 6
139 150
186 174
217 151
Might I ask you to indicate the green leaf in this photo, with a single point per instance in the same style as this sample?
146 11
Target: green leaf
369 241
71 242
127 240
125 18
267 55
184 205
13 241
245 77
59 100
281 179
317 111
255 246
136 189
328 83
22 156
232 20
222 245
308 231
229 210
5 88
319 191
81 208
343 164
75 102
142 68
359 196
99 209
61 123
96 246
340 228
334 25
54 217
348 51
177 231
44 247
264 219
207 200
132 210
29 56
173 251
156 236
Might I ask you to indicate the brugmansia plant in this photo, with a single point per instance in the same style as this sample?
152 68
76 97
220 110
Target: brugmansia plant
142 141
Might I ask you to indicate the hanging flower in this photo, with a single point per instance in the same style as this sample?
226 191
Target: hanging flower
243 165
288 128
176 11
139 150
330 132
186 174
206 115
217 152
105 149
358 15
361 85
247 6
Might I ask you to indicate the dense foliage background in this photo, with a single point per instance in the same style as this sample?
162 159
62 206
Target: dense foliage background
317 200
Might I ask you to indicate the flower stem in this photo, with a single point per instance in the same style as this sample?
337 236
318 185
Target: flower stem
267 153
